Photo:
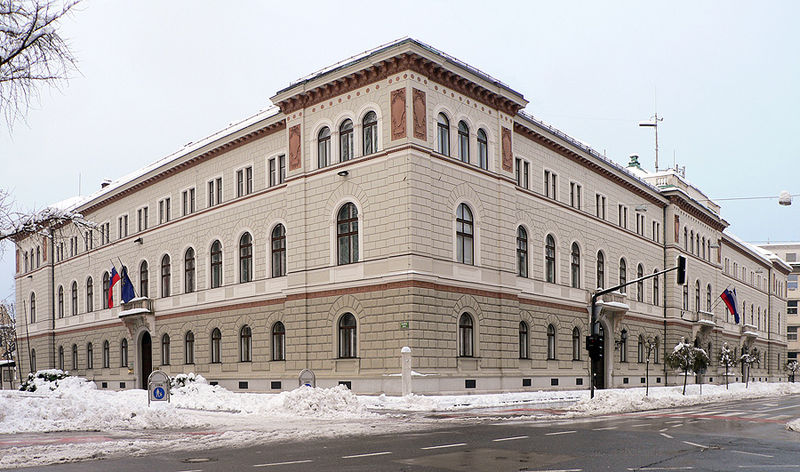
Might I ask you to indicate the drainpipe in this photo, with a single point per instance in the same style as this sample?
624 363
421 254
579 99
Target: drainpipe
52 300
664 304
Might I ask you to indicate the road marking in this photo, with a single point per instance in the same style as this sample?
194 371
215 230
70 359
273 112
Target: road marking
443 446
560 432
554 470
787 466
667 436
781 408
676 425
663 468
369 454
663 429
193 470
284 463
639 425
605 429
513 438
695 444
752 454
673 422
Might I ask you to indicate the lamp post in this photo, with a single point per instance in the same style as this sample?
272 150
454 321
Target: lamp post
653 124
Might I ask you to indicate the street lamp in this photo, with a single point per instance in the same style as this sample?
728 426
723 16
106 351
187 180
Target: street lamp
653 124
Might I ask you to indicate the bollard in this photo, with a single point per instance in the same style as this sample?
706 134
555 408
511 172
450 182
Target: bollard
405 360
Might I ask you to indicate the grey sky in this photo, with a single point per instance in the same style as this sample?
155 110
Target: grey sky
155 75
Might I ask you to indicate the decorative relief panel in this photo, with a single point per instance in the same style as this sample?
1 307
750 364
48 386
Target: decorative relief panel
508 160
677 228
294 148
399 113
420 115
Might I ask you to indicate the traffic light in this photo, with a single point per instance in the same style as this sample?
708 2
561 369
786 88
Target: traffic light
594 344
681 273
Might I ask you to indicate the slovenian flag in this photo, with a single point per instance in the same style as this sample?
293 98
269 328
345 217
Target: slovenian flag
114 279
729 298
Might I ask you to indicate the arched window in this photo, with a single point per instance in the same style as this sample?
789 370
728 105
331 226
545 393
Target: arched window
623 346
369 132
188 271
696 295
550 259
346 141
523 340
165 275
655 289
347 234
74 298
347 336
640 284
106 355
463 141
464 234
278 251
551 342
640 350
685 296
697 244
33 307
708 301
443 134
26 261
465 336
165 349
123 353
74 357
483 150
144 283
575 266
105 289
601 270
245 258
33 359
216 346
704 247
691 241
89 356
324 147
278 342
576 344
38 256
522 252
60 301
89 295
188 347
685 239
216 264
245 344
623 275
61 357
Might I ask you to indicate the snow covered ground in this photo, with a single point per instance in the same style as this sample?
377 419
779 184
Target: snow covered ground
201 416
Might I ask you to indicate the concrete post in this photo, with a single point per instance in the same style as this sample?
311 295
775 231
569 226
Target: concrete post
405 360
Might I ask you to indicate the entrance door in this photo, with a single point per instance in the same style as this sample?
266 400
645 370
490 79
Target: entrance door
146 350
599 364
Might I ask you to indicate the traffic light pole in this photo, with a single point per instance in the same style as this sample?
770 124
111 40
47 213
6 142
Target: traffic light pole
594 353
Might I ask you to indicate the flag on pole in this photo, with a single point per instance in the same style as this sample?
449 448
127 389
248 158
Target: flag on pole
111 281
729 298
128 293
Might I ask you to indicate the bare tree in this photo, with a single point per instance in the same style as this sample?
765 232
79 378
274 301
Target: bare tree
31 52
8 340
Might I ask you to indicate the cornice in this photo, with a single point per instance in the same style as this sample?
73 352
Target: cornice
408 61
692 210
590 164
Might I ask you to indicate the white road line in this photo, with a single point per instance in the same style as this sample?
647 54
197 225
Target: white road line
560 432
673 422
369 454
663 468
605 429
695 444
787 466
513 438
639 425
554 470
443 446
193 470
667 436
781 408
663 429
752 454
676 425
284 463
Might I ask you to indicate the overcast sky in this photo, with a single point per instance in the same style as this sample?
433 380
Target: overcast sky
154 75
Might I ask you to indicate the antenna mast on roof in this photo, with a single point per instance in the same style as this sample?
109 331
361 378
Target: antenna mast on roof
653 124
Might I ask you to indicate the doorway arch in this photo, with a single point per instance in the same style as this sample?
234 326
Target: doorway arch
145 358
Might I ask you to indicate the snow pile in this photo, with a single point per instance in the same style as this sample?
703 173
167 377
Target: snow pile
794 425
540 399
336 402
634 399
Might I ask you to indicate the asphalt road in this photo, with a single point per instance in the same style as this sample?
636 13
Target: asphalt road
743 436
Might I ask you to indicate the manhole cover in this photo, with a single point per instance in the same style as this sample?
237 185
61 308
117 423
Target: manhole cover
197 460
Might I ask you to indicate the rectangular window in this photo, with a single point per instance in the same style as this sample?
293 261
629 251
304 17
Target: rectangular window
550 186
523 173
281 168
273 173
219 190
248 177
791 307
622 215
518 171
240 182
164 210
600 205
575 195
185 200
791 333
191 201
792 283
211 193
640 223
656 231
791 257
161 211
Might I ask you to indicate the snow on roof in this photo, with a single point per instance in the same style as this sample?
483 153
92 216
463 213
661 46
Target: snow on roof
757 251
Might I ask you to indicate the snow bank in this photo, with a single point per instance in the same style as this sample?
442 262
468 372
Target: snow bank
413 402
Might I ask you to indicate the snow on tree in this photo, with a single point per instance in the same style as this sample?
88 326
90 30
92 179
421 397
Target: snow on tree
792 367
747 360
687 358
726 358
8 337
31 51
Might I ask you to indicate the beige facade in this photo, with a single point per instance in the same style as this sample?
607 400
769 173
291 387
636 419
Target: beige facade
473 235
789 253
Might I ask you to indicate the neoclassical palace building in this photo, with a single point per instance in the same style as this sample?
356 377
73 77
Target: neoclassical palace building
398 198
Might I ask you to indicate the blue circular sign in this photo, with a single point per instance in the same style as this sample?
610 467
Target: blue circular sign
158 393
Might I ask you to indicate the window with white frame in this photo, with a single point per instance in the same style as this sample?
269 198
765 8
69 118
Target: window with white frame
164 210
622 215
550 184
188 196
141 218
483 150
277 170
466 336
122 227
244 181
600 206
523 173
324 147
575 195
